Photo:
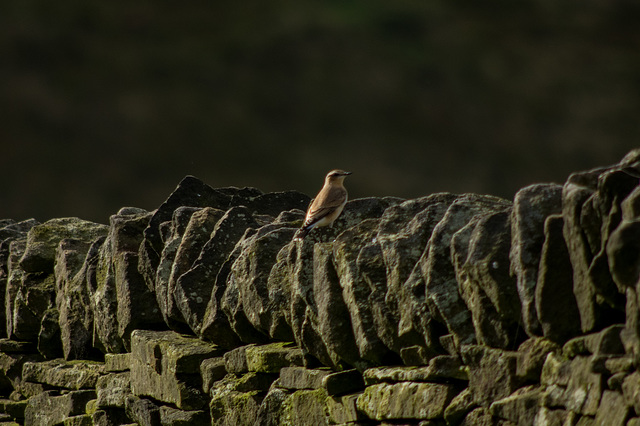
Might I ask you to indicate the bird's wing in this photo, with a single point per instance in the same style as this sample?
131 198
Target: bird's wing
324 204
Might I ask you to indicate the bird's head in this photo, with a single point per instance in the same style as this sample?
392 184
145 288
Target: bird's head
336 176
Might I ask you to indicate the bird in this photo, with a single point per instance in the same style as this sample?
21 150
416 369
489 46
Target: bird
327 205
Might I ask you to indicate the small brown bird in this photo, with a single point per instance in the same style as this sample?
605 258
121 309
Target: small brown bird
327 205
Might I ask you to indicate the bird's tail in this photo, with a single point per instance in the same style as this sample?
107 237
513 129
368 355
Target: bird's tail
302 232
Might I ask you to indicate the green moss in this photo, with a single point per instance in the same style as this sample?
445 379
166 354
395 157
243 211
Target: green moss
91 407
305 407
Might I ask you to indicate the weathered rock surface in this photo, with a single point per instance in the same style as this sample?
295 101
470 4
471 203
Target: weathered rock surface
166 366
531 207
207 311
50 408
405 400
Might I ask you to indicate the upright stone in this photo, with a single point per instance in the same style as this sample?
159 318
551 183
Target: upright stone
531 206
196 289
556 305
438 273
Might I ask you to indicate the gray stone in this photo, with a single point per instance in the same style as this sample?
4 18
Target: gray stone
459 406
532 356
15 409
613 410
104 297
372 269
356 290
69 375
531 206
605 342
230 407
143 411
272 357
9 346
123 284
438 273
15 275
480 417
302 378
113 390
189 192
136 307
556 304
196 234
332 319
197 289
584 388
578 188
556 370
520 407
33 295
631 205
109 417
405 400
279 286
248 382
440 368
492 373
169 416
50 408
343 382
550 417
311 263
75 316
480 253
623 253
117 362
212 370
216 326
235 360
305 407
43 240
49 340
631 390
81 420
249 275
344 409
175 229
166 367
403 233
271 408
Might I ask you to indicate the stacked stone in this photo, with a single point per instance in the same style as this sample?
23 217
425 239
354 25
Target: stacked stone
446 309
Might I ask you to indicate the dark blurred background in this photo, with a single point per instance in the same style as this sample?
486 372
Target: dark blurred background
109 104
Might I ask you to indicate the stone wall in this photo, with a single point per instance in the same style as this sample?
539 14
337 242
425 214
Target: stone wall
447 309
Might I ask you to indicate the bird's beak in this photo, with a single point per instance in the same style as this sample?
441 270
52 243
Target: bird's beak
347 173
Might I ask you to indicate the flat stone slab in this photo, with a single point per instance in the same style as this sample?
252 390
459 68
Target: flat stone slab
441 367
166 366
343 382
344 409
117 362
64 374
50 408
302 378
406 400
273 357
13 346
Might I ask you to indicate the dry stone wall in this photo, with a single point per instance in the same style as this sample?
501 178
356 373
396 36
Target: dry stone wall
442 310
